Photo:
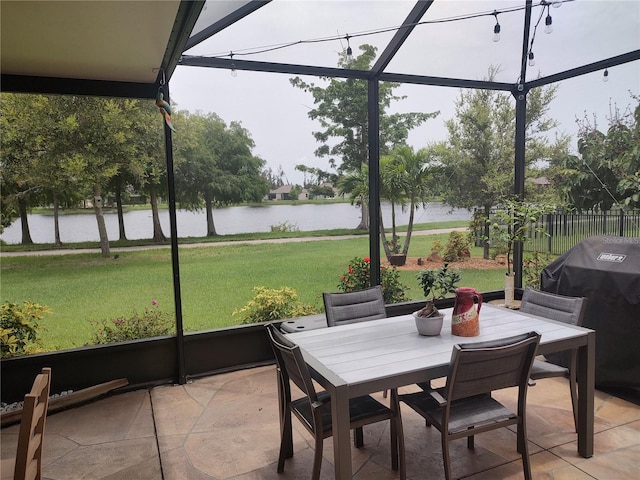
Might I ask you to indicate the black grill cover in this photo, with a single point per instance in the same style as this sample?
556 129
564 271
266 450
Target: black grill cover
605 270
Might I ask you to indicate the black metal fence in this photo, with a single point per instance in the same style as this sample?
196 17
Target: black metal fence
563 230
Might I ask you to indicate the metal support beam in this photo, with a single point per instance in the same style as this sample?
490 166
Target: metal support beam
175 261
520 94
401 35
374 179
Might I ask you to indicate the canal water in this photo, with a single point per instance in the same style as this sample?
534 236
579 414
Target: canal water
228 220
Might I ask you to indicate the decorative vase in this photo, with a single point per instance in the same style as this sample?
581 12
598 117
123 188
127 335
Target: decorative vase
465 320
508 290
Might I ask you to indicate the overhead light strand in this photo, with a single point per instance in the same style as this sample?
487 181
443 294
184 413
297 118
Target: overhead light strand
269 48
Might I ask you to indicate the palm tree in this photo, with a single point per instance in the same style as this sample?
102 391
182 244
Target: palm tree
417 175
356 185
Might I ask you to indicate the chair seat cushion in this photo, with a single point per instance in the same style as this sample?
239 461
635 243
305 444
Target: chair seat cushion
467 412
541 369
360 409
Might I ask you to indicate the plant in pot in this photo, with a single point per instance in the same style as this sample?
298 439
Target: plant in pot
514 222
436 284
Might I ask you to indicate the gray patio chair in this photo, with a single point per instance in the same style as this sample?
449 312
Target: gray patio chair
314 408
353 307
464 407
563 309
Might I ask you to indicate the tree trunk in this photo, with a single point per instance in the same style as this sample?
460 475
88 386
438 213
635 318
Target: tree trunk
102 228
485 253
407 240
158 236
56 221
211 228
383 236
118 188
24 222
364 220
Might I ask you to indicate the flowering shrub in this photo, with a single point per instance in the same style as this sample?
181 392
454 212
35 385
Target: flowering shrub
152 323
358 277
19 328
273 304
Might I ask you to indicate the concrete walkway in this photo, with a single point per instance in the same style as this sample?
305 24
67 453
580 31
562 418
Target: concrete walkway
71 251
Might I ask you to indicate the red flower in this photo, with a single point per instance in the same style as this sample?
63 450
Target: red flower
367 259
350 269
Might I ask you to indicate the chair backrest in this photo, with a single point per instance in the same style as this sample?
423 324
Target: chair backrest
483 367
291 363
555 307
31 435
353 307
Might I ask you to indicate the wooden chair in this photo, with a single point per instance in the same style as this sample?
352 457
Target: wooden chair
464 407
28 464
314 408
563 309
353 307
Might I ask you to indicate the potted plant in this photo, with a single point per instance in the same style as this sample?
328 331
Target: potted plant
436 284
513 223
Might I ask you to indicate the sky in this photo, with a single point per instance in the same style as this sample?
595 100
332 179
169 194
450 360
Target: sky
276 113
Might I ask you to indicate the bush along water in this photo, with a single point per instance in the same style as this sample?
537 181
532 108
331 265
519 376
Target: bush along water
358 277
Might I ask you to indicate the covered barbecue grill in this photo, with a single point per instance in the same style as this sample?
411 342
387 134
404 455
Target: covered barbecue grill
605 270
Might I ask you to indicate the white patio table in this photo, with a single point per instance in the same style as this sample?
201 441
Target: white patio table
363 358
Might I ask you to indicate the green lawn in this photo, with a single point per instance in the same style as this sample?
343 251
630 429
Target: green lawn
215 281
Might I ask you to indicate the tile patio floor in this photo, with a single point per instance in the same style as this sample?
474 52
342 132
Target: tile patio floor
226 427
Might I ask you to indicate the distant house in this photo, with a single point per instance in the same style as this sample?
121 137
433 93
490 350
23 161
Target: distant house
541 181
284 193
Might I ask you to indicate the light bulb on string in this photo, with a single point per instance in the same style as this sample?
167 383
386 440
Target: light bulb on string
349 51
496 28
605 76
532 59
234 73
548 23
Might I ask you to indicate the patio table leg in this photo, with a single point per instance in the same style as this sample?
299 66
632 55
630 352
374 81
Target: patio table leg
340 426
586 387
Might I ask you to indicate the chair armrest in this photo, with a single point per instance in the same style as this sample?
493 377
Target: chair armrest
438 398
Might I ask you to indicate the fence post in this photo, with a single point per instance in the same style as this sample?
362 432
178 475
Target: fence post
621 229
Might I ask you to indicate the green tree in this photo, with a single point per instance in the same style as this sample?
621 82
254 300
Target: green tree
607 172
405 179
21 143
342 111
478 168
215 166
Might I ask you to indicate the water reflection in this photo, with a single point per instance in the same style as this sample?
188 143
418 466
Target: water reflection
228 220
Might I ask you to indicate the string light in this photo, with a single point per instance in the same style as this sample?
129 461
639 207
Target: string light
234 73
532 60
496 28
349 51
548 22
605 76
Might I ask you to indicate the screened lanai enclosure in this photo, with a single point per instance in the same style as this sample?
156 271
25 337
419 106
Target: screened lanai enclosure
230 57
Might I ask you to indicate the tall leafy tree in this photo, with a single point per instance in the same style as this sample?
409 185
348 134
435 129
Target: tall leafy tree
215 165
342 111
478 169
21 143
607 170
